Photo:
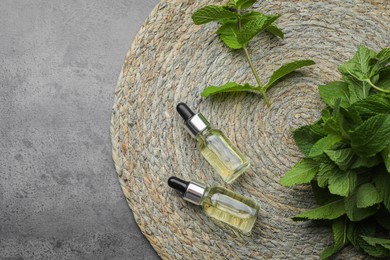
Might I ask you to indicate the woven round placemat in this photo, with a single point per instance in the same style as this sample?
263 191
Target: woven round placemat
172 60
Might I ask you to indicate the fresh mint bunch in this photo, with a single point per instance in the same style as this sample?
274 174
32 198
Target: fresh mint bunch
347 156
238 27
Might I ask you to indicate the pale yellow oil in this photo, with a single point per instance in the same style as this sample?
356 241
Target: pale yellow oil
226 159
231 208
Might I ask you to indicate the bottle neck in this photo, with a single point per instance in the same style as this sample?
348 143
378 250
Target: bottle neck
197 124
202 134
195 192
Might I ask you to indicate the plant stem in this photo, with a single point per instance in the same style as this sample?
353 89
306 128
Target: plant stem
252 67
265 98
379 89
259 85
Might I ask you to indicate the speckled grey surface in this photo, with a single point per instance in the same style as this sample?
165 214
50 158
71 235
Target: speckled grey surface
59 194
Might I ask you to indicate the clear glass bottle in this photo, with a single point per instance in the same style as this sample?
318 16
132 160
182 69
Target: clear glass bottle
218 150
219 203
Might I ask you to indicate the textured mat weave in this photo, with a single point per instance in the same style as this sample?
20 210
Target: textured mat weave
172 60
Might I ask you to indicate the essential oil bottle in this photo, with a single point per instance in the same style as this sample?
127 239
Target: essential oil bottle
219 203
214 145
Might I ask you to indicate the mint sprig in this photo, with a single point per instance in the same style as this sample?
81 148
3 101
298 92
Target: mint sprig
238 27
348 156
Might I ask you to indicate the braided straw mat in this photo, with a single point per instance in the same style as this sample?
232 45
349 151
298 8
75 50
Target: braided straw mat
172 60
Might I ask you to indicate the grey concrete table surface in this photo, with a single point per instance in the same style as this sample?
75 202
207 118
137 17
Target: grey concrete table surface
59 193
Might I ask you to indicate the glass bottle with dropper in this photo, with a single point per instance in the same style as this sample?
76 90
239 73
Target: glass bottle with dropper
218 150
219 203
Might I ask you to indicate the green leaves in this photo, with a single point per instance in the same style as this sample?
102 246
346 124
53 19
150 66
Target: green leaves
335 90
213 13
363 71
301 173
342 183
324 173
367 195
228 33
323 144
228 87
331 210
254 26
273 29
372 105
382 184
372 136
355 213
339 229
351 146
360 66
285 70
306 136
384 56
374 241
384 79
244 4
386 157
237 29
356 233
342 157
366 162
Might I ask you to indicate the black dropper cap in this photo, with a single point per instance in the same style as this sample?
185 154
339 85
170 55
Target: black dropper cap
184 111
178 184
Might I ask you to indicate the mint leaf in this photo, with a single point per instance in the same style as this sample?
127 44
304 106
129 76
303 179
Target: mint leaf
212 13
366 162
332 127
334 124
355 117
384 79
355 234
360 66
372 136
273 29
334 90
339 228
342 157
384 71
323 144
324 173
384 56
358 90
342 183
353 212
254 26
376 250
228 87
228 34
285 70
302 172
331 210
306 136
372 105
358 229
386 157
244 4
382 184
367 195
373 241
359 73
336 111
